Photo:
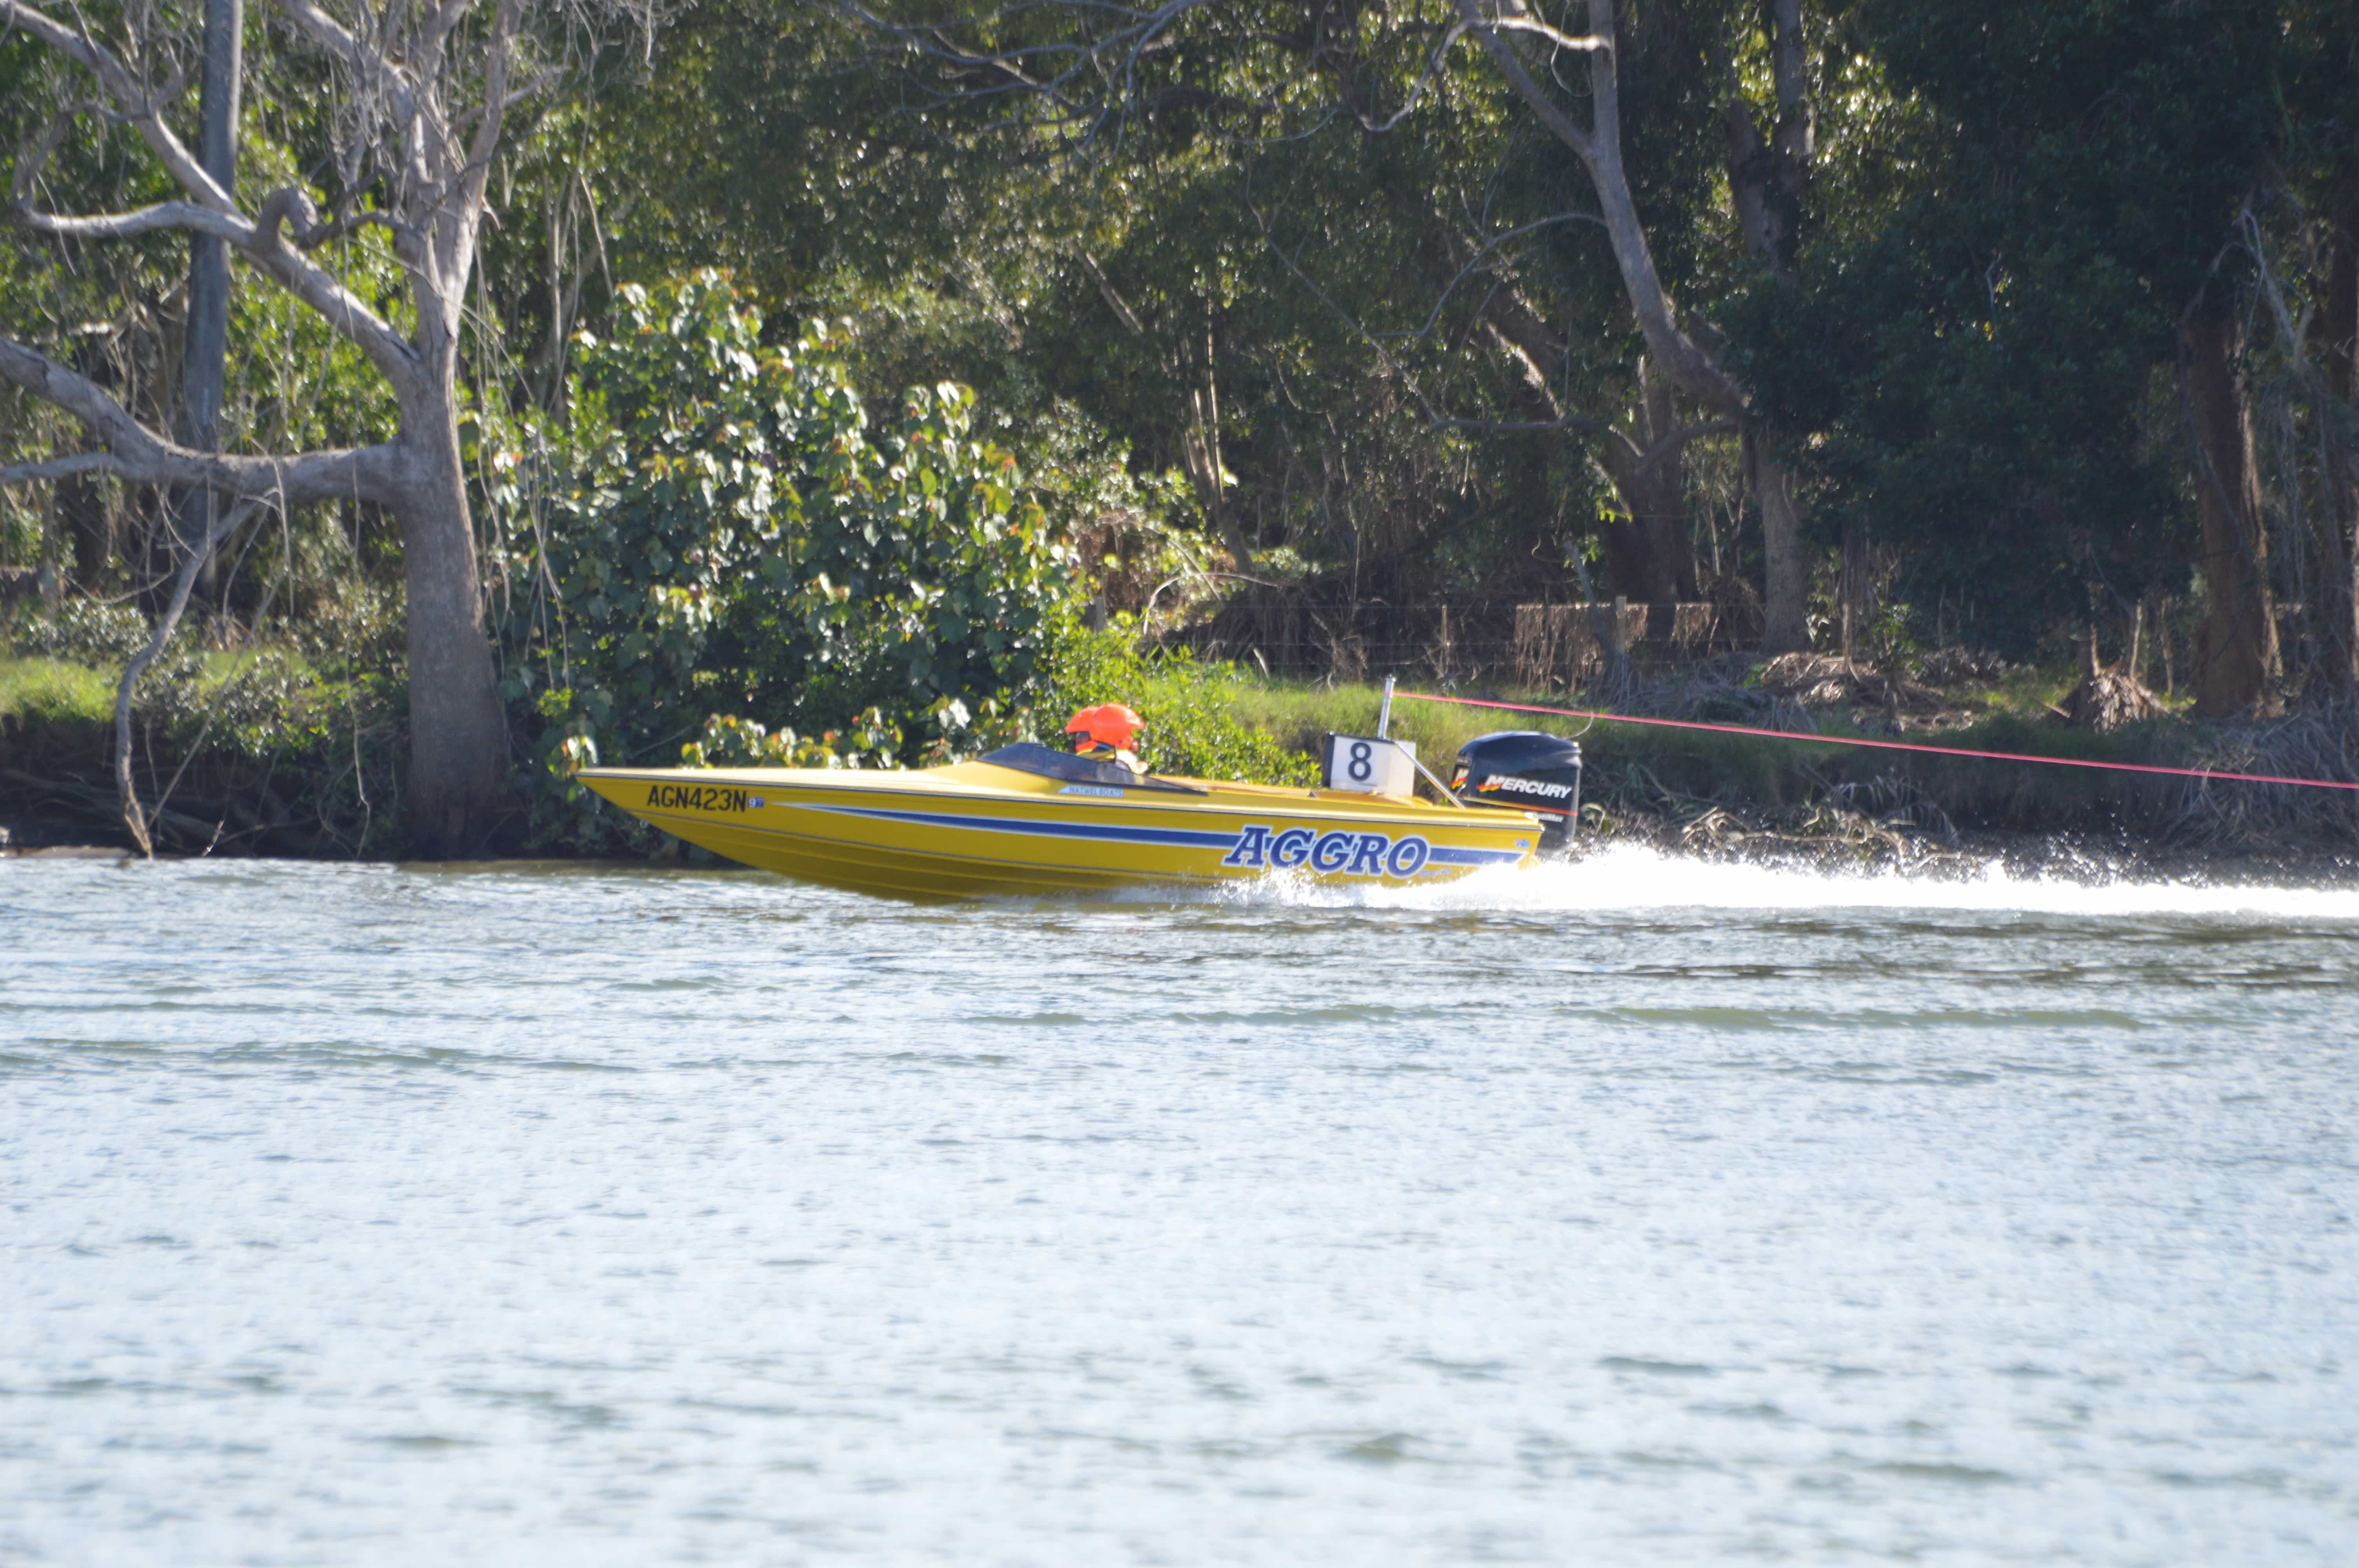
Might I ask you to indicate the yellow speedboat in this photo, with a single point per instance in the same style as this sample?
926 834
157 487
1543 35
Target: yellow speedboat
1027 819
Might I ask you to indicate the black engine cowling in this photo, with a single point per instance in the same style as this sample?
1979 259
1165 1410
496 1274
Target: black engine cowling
1526 769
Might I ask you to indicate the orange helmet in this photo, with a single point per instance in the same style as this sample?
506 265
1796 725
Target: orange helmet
1107 728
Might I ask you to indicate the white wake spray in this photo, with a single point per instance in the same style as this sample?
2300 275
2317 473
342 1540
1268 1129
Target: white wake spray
1633 877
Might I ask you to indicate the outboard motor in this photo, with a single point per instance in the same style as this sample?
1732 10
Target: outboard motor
1528 771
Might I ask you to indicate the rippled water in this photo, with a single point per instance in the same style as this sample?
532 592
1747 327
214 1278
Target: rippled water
1635 1212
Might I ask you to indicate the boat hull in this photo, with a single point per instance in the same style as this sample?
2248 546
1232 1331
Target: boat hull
977 828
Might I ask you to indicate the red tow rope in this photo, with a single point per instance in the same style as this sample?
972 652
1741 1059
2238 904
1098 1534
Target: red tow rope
1884 745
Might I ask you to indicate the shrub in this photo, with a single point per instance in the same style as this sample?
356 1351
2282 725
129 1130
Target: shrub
722 537
1192 728
81 631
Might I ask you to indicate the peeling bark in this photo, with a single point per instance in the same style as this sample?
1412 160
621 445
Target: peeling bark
458 729
457 793
2237 649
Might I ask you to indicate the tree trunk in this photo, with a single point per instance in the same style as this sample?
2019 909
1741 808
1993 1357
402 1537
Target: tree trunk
1678 358
1854 597
1647 558
1766 180
1664 517
1785 624
1625 554
2339 567
436 156
458 731
2238 645
89 524
205 349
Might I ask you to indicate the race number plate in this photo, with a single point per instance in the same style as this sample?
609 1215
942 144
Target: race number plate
1363 764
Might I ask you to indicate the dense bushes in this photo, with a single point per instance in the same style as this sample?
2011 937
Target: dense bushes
725 556
263 748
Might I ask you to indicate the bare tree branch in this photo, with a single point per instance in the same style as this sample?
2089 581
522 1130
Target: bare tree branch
137 107
1584 43
426 56
211 210
375 71
142 220
61 468
1579 423
1105 289
497 54
35 155
126 789
1486 32
1483 251
262 246
401 132
1600 151
1425 78
1686 432
139 455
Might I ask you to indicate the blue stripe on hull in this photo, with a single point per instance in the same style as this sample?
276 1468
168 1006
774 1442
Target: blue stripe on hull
1441 855
1180 837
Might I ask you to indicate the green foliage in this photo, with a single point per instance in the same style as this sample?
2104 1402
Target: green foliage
1189 707
79 630
115 310
1978 358
44 690
245 750
353 628
1149 277
721 532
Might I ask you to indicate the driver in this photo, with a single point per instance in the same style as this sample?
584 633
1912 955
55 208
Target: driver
1105 734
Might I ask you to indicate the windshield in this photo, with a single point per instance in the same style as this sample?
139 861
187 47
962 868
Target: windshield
1031 757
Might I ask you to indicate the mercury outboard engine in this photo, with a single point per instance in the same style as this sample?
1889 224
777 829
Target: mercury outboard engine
1528 771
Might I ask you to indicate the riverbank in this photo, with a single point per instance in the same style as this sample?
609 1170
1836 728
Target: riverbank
251 752
1804 795
290 766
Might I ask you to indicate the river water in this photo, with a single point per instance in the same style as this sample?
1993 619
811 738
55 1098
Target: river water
1639 1211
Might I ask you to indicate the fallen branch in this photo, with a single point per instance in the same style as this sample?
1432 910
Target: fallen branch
100 803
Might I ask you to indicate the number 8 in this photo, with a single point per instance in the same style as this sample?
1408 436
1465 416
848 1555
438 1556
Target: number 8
1362 767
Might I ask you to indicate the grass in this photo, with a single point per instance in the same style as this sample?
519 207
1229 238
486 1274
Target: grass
53 690
1680 773
1218 721
2016 719
2031 690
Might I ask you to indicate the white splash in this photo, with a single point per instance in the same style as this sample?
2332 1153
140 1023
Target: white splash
1634 878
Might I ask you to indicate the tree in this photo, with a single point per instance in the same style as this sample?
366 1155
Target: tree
204 358
2321 161
1674 354
2029 355
429 93
1094 76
